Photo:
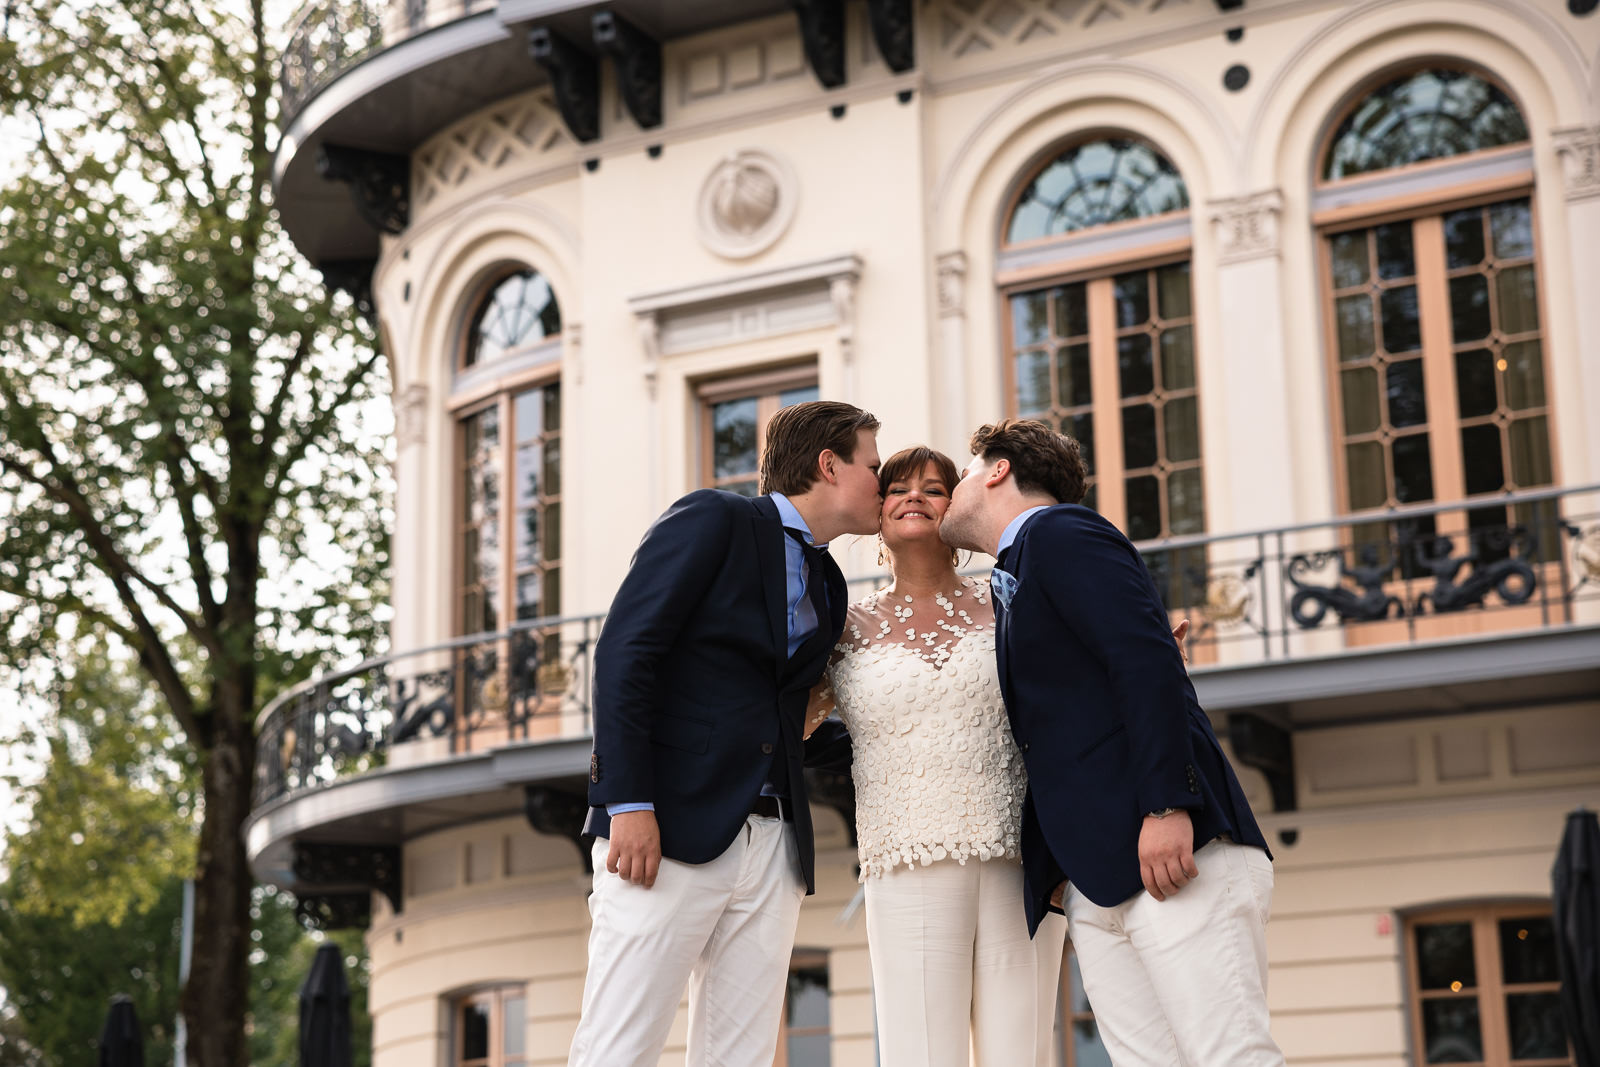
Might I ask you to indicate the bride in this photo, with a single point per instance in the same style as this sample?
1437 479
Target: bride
939 789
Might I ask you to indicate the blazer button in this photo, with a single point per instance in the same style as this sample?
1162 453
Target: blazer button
766 748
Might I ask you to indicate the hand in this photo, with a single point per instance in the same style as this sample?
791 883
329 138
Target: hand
1056 897
635 854
1166 854
1179 632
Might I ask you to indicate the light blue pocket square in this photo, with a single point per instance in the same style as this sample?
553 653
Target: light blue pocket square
1004 587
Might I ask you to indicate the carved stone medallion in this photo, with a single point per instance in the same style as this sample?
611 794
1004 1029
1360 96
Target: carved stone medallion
747 203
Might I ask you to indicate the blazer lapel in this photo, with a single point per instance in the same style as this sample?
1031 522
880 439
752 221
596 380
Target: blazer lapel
769 536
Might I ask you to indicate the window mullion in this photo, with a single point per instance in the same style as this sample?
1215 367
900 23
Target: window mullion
1438 373
1491 992
1110 498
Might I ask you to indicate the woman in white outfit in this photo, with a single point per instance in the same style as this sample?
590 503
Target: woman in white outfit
939 787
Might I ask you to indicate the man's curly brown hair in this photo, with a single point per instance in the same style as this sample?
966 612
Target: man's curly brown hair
1042 460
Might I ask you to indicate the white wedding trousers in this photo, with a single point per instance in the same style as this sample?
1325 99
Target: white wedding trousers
724 929
955 978
1183 982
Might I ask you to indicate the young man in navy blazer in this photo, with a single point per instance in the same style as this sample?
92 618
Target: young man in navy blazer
703 846
1134 823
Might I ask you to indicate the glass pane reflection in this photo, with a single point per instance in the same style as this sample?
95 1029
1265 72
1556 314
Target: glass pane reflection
1450 1031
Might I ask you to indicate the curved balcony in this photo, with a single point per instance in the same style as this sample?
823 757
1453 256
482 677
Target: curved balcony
371 80
1482 604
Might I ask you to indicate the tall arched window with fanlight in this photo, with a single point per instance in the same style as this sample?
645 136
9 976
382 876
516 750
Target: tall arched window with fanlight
509 455
1424 202
1094 268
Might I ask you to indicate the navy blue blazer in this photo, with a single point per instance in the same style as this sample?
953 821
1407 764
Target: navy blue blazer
697 702
1103 710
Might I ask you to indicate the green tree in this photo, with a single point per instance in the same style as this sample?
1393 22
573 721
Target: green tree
183 410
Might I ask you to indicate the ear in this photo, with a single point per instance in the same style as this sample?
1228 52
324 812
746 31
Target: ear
1001 471
828 466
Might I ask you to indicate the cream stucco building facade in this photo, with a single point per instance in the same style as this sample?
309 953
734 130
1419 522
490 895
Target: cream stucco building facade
596 269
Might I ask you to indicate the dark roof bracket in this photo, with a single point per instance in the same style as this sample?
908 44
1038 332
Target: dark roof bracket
822 32
637 56
894 31
575 78
380 183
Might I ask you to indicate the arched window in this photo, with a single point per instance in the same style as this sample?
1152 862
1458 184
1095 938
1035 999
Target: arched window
1106 355
1427 114
508 508
1435 329
1093 183
520 310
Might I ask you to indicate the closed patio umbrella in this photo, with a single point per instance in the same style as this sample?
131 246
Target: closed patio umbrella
1576 881
120 1043
325 1011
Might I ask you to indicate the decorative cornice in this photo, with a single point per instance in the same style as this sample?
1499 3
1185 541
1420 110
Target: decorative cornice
842 290
411 416
1247 226
1579 149
747 285
649 327
952 284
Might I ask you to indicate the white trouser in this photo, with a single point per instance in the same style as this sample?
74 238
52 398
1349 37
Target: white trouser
954 975
1183 981
725 929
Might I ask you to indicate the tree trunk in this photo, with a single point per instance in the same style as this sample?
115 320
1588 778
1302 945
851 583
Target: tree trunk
216 999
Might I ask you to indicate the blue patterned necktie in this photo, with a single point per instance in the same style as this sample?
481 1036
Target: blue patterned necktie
1004 587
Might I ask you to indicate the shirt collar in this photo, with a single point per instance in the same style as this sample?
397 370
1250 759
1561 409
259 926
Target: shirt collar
1014 527
790 516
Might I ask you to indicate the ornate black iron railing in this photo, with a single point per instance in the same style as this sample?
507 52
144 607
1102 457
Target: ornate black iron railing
1502 563
467 695
331 36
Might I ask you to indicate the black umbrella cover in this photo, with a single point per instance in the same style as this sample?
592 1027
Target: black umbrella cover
120 1043
325 1012
1576 881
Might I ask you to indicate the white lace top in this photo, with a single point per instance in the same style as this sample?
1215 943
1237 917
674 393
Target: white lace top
937 774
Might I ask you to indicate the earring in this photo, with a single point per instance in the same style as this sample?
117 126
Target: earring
883 551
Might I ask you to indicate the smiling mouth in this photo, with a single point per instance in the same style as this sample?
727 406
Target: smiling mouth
916 515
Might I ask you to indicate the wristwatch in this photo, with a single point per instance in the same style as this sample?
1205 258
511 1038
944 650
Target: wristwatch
1162 814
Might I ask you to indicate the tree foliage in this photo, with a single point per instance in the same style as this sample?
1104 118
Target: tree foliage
191 426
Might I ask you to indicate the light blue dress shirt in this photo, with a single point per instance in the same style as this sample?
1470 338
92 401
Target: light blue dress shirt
800 615
1014 527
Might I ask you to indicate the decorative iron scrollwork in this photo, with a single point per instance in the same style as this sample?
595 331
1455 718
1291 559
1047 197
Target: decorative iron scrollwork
331 37
352 276
1311 602
333 874
1509 576
380 183
334 911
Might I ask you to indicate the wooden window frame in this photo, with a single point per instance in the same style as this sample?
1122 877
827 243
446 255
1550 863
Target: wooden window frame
765 387
1491 989
496 998
504 399
1065 1013
1426 214
803 958
1104 376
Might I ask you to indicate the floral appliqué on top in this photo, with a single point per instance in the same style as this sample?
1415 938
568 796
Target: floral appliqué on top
937 773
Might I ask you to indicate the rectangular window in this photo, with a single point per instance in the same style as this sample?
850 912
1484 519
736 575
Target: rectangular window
1110 362
1485 989
1077 1037
806 1039
509 544
733 418
491 1029
1438 377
